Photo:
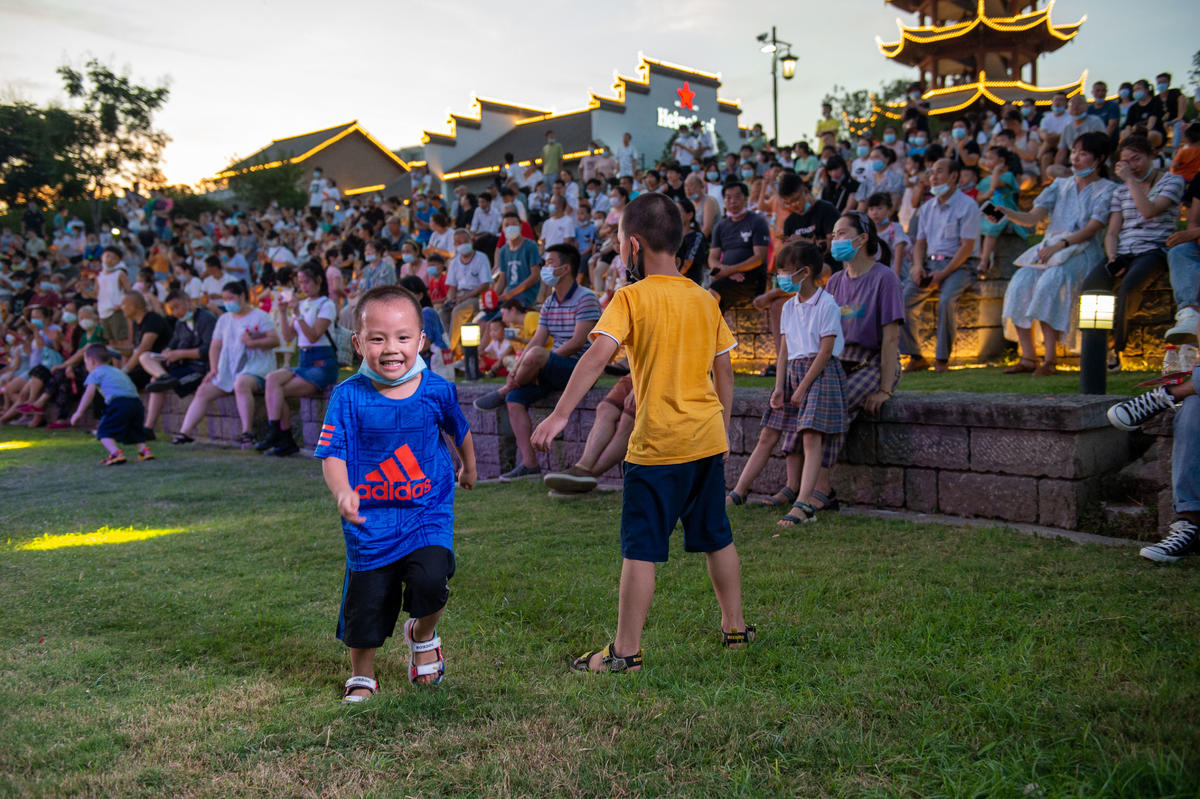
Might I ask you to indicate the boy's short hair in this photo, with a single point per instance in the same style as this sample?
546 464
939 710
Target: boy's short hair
569 256
655 218
98 353
384 294
797 255
1192 133
880 199
514 304
511 215
113 249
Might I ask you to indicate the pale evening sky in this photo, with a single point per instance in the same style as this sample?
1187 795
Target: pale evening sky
243 72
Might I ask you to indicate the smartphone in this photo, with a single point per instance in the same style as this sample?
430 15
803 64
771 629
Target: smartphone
992 212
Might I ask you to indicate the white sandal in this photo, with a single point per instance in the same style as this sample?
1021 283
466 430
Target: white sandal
356 682
437 667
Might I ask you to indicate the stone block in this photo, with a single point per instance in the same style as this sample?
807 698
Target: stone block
1060 502
920 490
991 496
738 429
1166 510
1048 453
923 445
859 444
873 486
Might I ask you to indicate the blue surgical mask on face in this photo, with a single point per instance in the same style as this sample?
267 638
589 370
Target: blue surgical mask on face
863 150
712 177
38 323
187 317
464 250
889 138
917 141
785 283
1139 95
548 276
877 165
1162 87
432 272
747 174
843 250
959 134
46 285
69 317
233 306
939 191
1124 94
416 370
1079 117
408 257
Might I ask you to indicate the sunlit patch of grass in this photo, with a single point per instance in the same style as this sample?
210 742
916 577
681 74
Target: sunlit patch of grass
105 535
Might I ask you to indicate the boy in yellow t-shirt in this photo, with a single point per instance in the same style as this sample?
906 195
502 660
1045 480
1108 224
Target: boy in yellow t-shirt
675 467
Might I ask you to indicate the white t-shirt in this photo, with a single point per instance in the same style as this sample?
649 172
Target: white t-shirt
212 286
469 276
486 221
626 160
310 311
236 357
442 241
194 288
1052 123
237 268
556 231
108 291
678 152
804 324
316 191
329 199
279 255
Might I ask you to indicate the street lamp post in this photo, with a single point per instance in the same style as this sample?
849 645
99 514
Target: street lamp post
770 44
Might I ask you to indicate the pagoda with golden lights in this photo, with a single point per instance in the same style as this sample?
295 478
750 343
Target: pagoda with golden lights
969 51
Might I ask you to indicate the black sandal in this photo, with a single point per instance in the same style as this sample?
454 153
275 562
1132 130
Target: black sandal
808 511
734 498
737 637
828 501
612 662
781 499
182 438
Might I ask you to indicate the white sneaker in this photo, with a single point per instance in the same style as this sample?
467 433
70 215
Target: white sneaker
1184 331
1182 538
1133 413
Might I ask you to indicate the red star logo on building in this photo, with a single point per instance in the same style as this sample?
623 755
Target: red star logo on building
685 95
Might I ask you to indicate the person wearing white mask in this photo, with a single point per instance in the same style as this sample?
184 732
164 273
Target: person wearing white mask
317 188
568 316
467 276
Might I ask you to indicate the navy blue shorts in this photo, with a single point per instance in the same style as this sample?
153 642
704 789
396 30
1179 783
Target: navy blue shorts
190 375
418 583
657 497
554 376
123 421
318 365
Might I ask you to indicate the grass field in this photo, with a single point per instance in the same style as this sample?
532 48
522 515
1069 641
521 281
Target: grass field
894 659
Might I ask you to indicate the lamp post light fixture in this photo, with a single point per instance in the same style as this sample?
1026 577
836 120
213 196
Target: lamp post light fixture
771 44
1096 312
470 345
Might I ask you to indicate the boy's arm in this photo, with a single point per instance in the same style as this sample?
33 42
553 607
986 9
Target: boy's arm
338 480
466 453
723 381
587 370
85 402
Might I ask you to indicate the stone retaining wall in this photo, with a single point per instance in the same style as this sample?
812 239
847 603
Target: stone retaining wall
1011 457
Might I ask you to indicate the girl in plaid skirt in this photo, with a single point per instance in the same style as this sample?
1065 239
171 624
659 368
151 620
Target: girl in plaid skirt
808 402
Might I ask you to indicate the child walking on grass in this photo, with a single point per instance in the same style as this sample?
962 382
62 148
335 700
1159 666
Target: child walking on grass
121 422
675 466
809 401
389 469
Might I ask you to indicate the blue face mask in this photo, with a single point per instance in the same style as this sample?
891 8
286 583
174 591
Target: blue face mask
1083 173
785 283
713 177
917 141
1139 95
187 317
375 377
889 138
843 250
38 323
877 165
548 276
233 306
863 150
431 271
1080 117
1162 87
46 285
69 317
1124 94
959 134
939 191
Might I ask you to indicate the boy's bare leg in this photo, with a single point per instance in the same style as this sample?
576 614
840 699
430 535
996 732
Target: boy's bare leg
636 593
423 630
362 664
111 445
725 571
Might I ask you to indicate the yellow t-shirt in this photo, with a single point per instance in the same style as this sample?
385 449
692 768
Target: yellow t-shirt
672 330
528 327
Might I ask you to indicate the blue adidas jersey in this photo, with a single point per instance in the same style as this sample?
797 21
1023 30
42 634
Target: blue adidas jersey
398 463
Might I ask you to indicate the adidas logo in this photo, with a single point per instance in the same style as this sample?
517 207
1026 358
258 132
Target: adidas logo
397 478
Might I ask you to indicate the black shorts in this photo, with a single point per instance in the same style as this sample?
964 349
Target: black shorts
656 498
190 375
122 421
41 373
418 583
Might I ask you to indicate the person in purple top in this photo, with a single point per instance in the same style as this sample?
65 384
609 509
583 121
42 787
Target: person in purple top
872 303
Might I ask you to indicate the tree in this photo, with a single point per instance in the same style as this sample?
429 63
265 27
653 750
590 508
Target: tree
858 107
34 154
116 140
257 187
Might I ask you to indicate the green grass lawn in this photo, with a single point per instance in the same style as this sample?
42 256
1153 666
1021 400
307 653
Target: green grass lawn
894 659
